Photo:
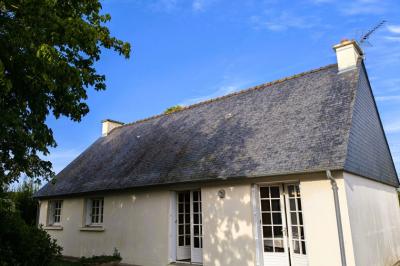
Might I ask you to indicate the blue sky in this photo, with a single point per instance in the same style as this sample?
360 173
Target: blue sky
185 51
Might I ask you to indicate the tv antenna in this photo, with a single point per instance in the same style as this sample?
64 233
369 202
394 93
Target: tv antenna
365 37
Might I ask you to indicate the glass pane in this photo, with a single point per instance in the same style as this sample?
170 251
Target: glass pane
180 229
292 204
181 241
275 192
187 196
180 208
303 247
279 246
300 218
187 229
187 207
180 219
297 191
264 192
296 247
195 218
291 191
266 218
299 204
196 230
180 197
265 205
195 207
195 196
196 242
293 218
302 232
268 247
187 218
295 233
277 218
267 231
187 240
278 231
276 205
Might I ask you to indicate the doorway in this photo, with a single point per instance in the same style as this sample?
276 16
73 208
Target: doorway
189 226
282 226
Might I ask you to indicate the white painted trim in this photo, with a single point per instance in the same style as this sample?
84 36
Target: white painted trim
172 227
256 224
92 229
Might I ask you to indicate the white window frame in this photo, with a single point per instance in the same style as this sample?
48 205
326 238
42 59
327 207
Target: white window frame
54 209
91 211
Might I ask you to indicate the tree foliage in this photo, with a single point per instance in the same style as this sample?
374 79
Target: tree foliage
48 49
23 201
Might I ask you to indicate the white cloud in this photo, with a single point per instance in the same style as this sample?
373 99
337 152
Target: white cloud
393 38
165 5
388 98
393 127
282 21
363 8
223 90
394 28
198 5
355 7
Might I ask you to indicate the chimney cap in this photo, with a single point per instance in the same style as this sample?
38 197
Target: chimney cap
112 121
345 42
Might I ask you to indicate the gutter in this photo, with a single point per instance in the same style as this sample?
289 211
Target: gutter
338 216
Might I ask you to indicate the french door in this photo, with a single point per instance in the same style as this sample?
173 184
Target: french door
189 226
282 227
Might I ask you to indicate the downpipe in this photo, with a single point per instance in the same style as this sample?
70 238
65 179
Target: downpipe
338 216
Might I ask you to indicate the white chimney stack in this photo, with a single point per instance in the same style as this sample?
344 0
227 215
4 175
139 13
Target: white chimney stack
108 125
348 52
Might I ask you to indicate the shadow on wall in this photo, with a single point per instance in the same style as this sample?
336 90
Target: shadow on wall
228 230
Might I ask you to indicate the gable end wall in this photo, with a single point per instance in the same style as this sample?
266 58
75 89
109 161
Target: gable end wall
368 153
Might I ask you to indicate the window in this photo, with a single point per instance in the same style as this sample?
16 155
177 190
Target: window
94 212
54 217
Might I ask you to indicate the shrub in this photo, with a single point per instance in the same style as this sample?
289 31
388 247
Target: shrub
22 244
173 109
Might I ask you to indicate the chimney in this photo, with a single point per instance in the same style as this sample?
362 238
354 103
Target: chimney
348 52
108 125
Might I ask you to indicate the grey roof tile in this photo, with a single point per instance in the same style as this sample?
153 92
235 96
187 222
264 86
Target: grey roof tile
299 124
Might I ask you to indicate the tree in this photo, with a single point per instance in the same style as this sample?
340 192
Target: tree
24 203
47 53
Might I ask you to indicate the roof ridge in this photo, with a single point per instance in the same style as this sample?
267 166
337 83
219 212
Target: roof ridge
253 88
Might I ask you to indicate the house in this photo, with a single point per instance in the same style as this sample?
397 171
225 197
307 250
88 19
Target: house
293 172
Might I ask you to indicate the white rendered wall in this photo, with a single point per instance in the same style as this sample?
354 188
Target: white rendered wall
322 241
375 221
137 224
228 227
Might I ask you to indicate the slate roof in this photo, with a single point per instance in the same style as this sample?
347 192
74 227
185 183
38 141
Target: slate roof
295 125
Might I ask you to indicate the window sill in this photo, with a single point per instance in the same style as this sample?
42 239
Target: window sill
53 227
92 228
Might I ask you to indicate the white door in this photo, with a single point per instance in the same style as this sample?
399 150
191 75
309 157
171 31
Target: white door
189 227
273 226
281 210
197 228
294 213
183 225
